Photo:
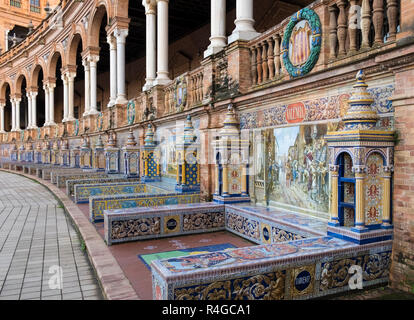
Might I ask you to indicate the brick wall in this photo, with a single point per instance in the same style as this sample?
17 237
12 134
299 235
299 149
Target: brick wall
402 266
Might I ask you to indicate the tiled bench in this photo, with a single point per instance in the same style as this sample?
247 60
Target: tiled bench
70 184
98 204
84 191
62 178
124 225
299 269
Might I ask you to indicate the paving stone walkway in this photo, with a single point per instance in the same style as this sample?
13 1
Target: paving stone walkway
41 256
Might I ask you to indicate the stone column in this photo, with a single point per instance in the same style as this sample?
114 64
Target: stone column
6 40
46 89
2 106
71 95
334 195
359 200
29 110
113 73
52 103
151 44
120 34
386 210
244 22
225 180
85 63
217 184
33 96
17 106
13 115
218 37
65 97
93 61
162 45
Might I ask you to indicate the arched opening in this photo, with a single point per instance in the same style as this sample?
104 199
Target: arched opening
75 59
346 191
56 73
103 78
8 108
40 98
21 89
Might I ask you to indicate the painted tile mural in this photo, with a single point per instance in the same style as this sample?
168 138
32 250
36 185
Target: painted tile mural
374 190
296 168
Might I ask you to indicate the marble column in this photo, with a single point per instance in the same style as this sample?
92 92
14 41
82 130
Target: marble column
46 89
244 22
86 67
17 106
2 106
71 96
162 43
359 201
151 42
334 195
13 115
29 111
33 96
6 40
120 35
93 64
387 196
65 97
218 39
52 103
113 73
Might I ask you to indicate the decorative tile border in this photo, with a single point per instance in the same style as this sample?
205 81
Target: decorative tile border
62 178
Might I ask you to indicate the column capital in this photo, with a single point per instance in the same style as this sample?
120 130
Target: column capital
93 58
64 78
120 35
163 1
33 93
70 76
111 40
150 6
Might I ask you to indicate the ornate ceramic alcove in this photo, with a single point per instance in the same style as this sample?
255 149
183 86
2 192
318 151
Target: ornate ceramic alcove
38 153
188 163
361 165
46 153
111 155
150 157
85 154
131 157
99 155
64 154
232 160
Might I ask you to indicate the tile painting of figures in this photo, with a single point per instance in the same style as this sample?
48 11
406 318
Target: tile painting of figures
297 169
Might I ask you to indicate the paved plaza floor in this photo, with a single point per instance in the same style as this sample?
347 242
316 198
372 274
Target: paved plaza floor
41 254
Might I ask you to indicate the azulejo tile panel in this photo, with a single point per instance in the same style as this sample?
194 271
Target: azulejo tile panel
269 286
335 274
83 192
71 183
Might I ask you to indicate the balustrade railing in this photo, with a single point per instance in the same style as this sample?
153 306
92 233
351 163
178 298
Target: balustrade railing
356 26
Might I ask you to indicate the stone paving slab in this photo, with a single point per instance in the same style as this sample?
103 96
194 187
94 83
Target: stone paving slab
111 277
36 238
